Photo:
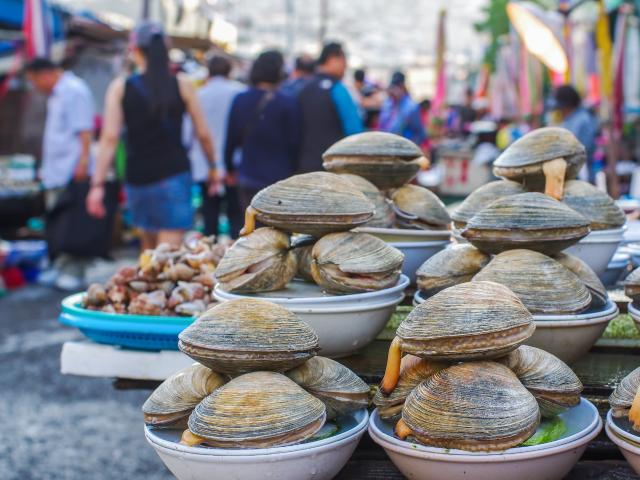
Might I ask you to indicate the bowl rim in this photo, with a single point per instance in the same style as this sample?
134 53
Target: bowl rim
361 416
621 442
619 432
404 231
634 312
355 308
426 244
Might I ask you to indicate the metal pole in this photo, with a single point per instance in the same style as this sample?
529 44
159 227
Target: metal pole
146 8
324 18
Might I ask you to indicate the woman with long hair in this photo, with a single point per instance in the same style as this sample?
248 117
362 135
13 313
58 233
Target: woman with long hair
150 106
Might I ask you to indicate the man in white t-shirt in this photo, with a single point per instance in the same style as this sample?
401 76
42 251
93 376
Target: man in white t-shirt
65 149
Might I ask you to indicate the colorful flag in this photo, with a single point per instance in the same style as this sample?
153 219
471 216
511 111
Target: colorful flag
36 28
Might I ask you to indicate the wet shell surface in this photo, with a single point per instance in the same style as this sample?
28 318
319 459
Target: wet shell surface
257 410
632 285
314 203
304 262
177 396
593 204
473 320
475 406
384 216
248 334
452 266
482 197
385 159
260 262
622 397
540 282
584 272
350 262
341 390
419 208
532 220
548 378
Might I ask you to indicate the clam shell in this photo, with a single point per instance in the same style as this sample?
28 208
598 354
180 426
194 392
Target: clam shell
543 285
476 406
583 271
452 266
548 378
632 285
257 410
304 262
248 334
341 390
315 203
384 216
260 262
523 159
594 205
532 220
350 262
622 397
482 197
468 321
385 159
177 396
419 208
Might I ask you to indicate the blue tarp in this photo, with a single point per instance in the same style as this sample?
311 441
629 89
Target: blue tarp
11 17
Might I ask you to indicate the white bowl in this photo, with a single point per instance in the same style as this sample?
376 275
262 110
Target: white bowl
416 253
633 310
597 248
342 328
319 460
622 428
552 463
403 235
630 450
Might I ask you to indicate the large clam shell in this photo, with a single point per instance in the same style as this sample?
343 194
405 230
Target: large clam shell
632 285
260 262
315 203
384 216
548 378
341 390
532 220
594 205
482 197
476 406
419 208
385 159
304 262
584 272
177 396
257 410
522 160
468 321
543 285
350 262
622 397
451 266
248 334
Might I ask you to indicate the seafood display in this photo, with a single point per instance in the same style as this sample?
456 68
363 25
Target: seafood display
593 204
419 209
632 285
384 215
483 197
625 401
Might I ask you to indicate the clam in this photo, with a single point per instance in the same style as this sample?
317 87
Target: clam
303 255
384 216
625 399
543 285
262 261
547 156
594 205
473 320
96 296
315 203
451 266
532 220
419 208
349 262
177 396
632 285
548 378
475 406
413 371
583 271
256 410
482 197
385 159
248 334
341 390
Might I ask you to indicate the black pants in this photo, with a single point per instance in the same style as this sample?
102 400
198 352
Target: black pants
212 206
246 194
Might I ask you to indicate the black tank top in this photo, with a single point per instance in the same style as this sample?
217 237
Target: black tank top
154 144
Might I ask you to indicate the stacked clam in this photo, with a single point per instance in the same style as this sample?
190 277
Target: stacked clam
258 402
469 395
409 217
348 283
623 419
632 290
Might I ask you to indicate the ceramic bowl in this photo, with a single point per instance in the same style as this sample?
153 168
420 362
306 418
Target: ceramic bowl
416 253
598 248
634 311
318 460
629 448
616 268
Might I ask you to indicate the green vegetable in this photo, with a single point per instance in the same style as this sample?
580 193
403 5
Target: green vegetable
621 327
549 430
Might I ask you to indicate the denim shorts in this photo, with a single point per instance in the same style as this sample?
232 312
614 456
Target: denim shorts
163 205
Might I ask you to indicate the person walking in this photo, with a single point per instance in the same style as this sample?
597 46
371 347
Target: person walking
216 97
263 135
302 72
400 114
150 105
328 110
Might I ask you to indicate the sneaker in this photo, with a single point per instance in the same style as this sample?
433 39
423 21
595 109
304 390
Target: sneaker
47 278
69 283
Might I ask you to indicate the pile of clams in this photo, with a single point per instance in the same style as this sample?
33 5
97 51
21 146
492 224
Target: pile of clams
258 382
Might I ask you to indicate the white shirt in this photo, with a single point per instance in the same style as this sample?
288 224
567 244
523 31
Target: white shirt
215 99
70 111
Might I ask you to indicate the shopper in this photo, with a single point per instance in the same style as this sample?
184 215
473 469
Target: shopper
328 110
368 97
300 76
216 97
150 105
400 114
263 136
